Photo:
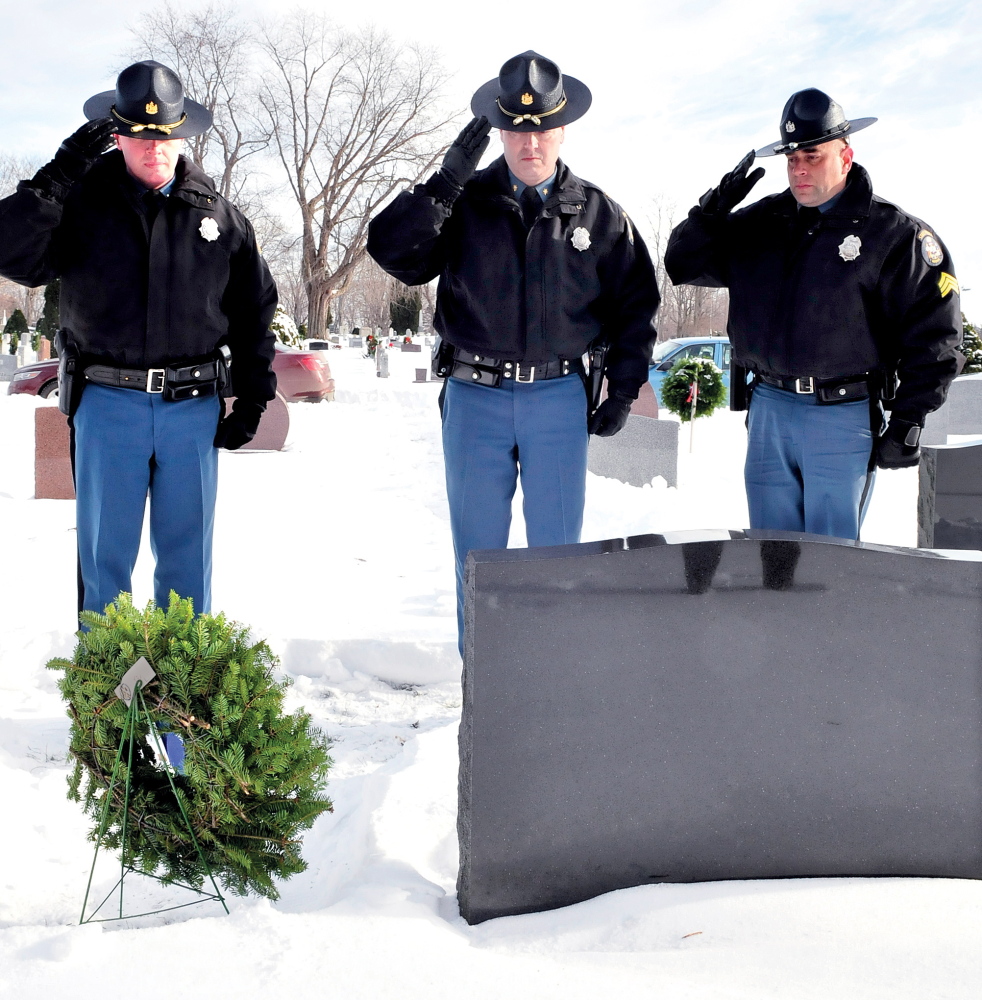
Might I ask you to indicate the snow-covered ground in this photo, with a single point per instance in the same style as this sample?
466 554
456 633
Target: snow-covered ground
337 550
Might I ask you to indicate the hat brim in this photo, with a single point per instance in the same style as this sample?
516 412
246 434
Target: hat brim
777 148
578 101
199 118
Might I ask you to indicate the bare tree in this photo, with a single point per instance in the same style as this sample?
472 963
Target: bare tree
210 50
14 169
365 301
353 118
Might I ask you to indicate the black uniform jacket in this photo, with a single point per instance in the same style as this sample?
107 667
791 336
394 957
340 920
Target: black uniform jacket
580 273
137 296
862 288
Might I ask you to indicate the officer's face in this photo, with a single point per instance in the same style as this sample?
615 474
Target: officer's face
531 156
151 161
819 173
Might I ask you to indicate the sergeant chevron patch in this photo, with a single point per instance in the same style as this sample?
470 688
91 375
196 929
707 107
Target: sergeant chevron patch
948 283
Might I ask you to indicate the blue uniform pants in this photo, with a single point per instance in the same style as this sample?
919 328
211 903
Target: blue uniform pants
489 435
807 465
129 444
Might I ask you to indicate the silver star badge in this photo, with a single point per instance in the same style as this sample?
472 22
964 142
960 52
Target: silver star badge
581 238
209 229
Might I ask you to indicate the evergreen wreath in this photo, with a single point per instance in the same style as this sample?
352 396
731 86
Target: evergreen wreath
676 387
254 777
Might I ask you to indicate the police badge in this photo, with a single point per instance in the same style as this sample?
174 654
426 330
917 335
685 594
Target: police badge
849 247
581 238
209 229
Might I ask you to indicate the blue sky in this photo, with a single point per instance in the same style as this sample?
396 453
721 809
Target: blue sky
681 90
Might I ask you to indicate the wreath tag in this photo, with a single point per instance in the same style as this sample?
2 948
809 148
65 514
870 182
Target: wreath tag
140 673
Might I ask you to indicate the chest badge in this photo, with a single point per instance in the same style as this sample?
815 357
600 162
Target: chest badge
849 247
209 229
581 238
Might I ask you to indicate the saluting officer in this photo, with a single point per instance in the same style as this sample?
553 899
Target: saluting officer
840 304
161 284
535 266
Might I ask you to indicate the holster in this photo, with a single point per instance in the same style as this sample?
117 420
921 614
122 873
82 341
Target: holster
740 388
224 371
442 363
71 381
596 365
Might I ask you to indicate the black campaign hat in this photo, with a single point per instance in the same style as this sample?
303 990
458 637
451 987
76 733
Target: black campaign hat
810 118
149 103
531 95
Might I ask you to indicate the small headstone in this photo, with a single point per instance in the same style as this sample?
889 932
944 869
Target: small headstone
356 342
381 361
420 375
411 348
949 502
645 448
8 365
52 459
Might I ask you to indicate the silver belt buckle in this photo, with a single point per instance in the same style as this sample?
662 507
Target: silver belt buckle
518 374
805 385
153 374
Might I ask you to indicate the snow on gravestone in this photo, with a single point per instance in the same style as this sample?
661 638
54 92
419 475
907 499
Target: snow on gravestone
760 706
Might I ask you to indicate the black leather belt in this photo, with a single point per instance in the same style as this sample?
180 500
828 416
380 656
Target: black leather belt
175 383
482 370
847 389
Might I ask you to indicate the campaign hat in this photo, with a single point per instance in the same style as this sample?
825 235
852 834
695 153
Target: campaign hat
810 118
149 103
530 94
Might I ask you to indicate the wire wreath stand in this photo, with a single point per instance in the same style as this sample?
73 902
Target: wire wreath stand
130 691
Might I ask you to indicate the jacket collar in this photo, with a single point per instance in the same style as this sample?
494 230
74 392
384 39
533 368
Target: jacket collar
492 183
855 200
110 172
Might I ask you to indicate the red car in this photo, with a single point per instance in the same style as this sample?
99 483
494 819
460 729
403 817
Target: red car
300 376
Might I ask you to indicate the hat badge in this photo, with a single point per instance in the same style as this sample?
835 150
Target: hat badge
527 99
789 126
151 108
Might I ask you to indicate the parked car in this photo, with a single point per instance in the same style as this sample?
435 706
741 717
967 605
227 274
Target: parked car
716 349
301 376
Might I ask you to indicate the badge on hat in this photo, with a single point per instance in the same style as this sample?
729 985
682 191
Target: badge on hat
581 238
930 248
849 247
209 229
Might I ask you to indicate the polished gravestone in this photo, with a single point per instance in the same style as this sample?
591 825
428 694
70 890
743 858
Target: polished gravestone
762 706
949 503
960 414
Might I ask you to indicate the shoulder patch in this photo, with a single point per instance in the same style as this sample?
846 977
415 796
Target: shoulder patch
930 248
947 284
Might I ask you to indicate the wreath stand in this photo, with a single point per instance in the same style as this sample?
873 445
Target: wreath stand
130 691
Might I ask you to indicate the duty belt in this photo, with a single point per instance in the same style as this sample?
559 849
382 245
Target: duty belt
482 370
173 382
846 389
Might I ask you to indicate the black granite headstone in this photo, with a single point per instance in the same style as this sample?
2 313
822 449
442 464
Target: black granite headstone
949 503
764 706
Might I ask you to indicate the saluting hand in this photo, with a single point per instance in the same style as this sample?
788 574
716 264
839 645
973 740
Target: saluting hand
462 158
75 155
733 188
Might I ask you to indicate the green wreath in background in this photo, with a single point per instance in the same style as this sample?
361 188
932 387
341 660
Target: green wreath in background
675 389
254 777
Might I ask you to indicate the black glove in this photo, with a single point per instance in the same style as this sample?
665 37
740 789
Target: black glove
611 415
75 155
898 447
240 426
732 189
460 161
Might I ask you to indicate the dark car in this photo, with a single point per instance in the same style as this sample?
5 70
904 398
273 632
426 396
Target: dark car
300 376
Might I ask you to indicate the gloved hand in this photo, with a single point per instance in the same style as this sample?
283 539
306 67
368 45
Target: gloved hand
898 447
461 160
240 426
611 415
75 155
732 189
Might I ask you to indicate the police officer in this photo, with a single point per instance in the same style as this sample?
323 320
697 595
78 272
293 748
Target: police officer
840 304
161 285
535 266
